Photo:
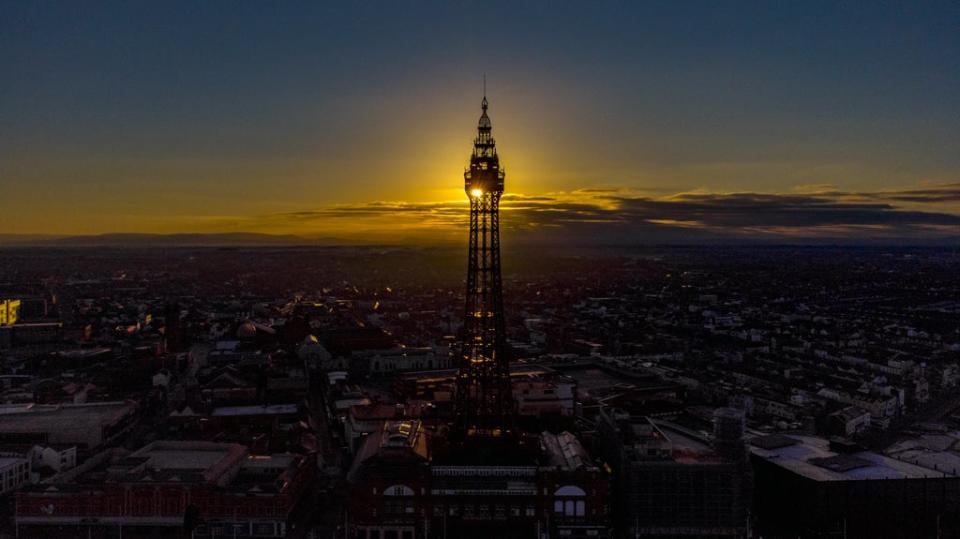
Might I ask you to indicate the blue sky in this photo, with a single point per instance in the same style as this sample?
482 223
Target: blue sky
225 116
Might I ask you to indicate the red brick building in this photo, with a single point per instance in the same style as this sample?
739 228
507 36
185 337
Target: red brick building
404 487
168 489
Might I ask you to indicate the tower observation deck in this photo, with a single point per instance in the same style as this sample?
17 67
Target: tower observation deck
484 403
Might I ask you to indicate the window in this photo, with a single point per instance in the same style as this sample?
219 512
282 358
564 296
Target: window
267 528
569 490
396 507
398 490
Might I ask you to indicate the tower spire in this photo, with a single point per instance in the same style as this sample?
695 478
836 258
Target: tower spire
484 145
484 104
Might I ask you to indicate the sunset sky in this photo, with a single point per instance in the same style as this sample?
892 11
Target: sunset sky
642 121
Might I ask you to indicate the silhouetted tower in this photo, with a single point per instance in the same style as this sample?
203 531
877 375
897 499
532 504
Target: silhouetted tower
484 399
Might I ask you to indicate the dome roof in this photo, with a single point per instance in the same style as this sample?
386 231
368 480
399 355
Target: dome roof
247 330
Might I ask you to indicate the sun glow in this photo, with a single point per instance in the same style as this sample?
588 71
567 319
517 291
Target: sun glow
476 193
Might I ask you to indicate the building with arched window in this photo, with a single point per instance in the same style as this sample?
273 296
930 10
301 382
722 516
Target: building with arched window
404 486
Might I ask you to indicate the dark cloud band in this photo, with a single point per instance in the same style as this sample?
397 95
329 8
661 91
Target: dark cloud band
623 216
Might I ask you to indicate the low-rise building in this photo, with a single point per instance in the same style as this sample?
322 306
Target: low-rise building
406 484
168 489
670 484
848 421
87 426
14 472
809 487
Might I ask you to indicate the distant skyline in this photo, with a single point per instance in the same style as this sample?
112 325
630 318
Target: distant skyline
623 121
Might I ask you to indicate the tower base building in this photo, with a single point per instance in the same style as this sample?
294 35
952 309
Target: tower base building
405 484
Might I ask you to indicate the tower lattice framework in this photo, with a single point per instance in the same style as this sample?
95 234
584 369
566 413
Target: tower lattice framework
484 397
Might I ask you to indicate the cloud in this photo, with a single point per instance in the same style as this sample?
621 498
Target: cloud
937 193
617 216
933 193
751 210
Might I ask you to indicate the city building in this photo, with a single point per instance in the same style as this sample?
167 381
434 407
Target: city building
87 426
671 483
31 336
405 485
45 459
537 390
14 472
807 486
168 489
848 421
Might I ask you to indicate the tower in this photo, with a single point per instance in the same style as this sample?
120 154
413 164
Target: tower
484 399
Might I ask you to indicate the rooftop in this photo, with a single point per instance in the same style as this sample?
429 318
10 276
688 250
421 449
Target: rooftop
399 441
811 457
7 461
44 417
565 452
258 409
179 462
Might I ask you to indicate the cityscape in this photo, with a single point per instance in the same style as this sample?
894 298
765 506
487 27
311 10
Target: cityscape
684 361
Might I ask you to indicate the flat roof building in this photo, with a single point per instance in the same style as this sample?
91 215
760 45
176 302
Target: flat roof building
810 487
670 483
168 489
88 426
